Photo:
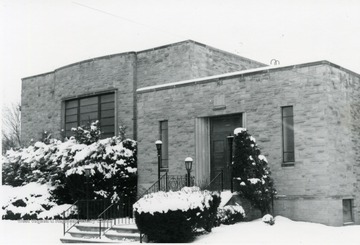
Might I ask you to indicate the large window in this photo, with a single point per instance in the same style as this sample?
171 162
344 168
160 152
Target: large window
83 111
164 137
288 134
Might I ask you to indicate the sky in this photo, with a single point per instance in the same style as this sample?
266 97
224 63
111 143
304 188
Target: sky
39 36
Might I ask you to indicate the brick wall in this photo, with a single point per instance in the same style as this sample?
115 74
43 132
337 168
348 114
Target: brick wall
42 95
186 60
260 96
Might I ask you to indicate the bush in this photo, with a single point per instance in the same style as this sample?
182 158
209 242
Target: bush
32 201
230 214
176 216
251 169
112 161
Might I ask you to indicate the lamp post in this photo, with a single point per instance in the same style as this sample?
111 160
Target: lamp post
158 144
230 140
188 166
87 175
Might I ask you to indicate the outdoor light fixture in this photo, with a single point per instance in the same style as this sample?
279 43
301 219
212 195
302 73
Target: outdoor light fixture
158 144
188 166
87 171
87 175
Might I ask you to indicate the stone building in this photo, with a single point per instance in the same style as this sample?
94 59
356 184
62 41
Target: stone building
305 117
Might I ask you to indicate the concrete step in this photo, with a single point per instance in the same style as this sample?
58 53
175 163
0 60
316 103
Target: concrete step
89 227
83 234
84 240
114 235
125 228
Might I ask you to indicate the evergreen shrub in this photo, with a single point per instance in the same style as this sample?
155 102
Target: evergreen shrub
176 216
252 172
230 214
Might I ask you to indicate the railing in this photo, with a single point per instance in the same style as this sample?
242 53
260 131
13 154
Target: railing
116 213
70 217
176 182
155 187
217 183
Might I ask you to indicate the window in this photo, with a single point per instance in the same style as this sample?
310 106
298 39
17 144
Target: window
288 134
164 137
347 211
83 111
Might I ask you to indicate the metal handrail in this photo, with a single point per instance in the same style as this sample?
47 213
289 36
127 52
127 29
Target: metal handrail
152 186
64 221
221 174
105 210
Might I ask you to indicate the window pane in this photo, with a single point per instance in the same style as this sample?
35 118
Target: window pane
71 111
287 111
347 210
107 98
107 106
289 157
89 108
72 118
89 101
165 144
288 134
107 113
71 104
107 129
69 126
107 121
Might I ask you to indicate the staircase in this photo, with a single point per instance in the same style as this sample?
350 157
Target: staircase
89 233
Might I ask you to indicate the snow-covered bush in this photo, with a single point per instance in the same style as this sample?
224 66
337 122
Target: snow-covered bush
31 201
268 219
176 216
251 171
112 162
230 214
87 134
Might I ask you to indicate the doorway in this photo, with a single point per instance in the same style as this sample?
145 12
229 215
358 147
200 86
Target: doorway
220 128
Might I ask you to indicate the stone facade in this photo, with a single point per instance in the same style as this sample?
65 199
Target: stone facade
325 99
188 83
43 95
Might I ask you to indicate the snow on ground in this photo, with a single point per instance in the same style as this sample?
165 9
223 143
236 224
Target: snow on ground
284 231
30 232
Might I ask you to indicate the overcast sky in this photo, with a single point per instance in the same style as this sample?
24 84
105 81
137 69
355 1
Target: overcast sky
38 36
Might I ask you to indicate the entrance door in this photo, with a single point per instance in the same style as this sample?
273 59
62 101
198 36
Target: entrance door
221 127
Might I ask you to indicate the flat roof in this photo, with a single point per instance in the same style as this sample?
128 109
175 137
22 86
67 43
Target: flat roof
254 71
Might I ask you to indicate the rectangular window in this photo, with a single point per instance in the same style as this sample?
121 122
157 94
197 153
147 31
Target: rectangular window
347 211
164 137
288 134
83 111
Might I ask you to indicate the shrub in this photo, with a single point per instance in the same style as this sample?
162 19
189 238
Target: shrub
268 219
62 164
251 169
230 214
32 201
176 216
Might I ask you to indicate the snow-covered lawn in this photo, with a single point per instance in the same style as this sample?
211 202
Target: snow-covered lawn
30 232
284 231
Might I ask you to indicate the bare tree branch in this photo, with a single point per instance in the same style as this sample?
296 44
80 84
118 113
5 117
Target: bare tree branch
11 121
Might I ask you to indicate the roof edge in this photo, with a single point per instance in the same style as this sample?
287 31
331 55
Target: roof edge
240 73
